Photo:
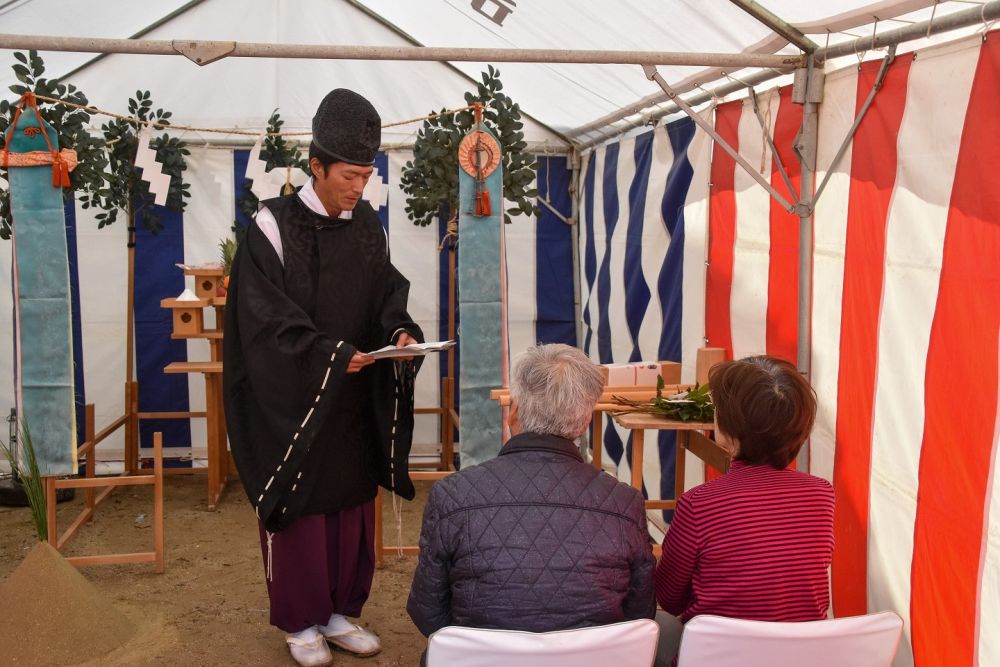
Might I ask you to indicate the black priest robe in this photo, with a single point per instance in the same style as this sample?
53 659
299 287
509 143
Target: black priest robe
307 437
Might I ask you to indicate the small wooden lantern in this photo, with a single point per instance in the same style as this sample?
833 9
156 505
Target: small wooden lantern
188 319
206 281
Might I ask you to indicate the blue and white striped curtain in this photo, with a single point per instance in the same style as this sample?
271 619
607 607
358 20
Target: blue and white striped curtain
642 266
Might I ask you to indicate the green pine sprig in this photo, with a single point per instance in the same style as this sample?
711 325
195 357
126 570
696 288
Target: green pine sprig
31 480
694 405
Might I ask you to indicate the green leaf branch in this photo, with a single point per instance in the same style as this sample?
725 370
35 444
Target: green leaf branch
125 191
694 405
69 123
430 179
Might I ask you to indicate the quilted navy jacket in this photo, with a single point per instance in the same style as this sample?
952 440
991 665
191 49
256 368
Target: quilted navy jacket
535 540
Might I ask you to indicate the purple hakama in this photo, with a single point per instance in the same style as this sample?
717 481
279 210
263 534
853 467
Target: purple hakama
320 565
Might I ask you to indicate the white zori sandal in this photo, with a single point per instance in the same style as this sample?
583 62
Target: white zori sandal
356 640
309 652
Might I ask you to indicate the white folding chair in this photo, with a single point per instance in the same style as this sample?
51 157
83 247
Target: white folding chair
858 641
627 644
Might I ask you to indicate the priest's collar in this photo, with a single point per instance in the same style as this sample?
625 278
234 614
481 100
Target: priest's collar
309 197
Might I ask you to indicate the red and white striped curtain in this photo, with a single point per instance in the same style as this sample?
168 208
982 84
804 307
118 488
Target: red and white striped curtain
905 329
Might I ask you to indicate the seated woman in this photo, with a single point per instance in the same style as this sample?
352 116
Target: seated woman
757 542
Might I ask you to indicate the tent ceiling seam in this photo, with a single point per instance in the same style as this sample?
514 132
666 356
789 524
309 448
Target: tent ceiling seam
415 42
144 31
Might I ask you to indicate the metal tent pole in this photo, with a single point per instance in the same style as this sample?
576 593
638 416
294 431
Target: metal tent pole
775 23
653 75
694 100
808 91
889 58
988 11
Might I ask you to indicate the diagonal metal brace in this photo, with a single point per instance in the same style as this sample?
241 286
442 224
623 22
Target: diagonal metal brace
653 75
770 142
775 23
879 79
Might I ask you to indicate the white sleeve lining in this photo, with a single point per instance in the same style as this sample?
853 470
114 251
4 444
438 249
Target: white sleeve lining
269 225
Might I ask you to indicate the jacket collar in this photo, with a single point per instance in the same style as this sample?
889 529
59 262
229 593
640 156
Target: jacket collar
538 442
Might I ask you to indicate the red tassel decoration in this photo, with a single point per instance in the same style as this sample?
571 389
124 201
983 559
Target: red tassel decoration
483 208
60 171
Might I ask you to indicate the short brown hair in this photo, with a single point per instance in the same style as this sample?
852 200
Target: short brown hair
764 404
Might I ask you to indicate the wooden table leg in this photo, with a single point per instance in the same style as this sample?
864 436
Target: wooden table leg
638 445
212 436
447 428
159 563
222 458
681 445
598 440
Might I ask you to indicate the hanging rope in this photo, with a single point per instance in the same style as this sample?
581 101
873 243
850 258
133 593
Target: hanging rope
226 130
451 232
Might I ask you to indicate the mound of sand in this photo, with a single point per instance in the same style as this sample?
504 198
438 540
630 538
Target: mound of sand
53 616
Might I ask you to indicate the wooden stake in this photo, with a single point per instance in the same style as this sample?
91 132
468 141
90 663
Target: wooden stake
158 501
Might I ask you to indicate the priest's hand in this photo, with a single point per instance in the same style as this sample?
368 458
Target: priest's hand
359 361
404 340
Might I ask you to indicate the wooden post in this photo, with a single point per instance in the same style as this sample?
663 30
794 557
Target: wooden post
447 427
452 275
597 441
132 458
681 444
638 449
131 430
50 511
91 467
158 502
707 357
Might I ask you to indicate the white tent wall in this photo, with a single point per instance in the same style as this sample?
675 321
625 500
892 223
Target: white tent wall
905 430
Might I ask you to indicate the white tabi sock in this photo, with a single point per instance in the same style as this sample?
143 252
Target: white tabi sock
336 625
307 635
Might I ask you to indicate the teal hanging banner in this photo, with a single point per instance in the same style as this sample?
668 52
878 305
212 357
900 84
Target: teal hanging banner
37 171
481 295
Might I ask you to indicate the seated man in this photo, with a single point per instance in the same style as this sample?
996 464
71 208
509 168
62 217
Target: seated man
535 539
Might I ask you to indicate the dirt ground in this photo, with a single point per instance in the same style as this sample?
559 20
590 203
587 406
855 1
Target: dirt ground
210 606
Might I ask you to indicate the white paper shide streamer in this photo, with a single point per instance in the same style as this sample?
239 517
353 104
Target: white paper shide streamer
268 184
152 171
376 191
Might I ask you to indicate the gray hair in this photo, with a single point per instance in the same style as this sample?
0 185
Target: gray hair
556 388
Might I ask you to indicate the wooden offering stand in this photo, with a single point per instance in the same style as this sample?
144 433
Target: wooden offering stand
189 322
91 483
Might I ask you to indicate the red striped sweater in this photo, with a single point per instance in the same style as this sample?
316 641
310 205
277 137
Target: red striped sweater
754 544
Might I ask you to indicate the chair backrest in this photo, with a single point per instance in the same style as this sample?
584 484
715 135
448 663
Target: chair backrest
859 641
627 644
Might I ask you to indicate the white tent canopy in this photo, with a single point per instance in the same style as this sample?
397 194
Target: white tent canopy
574 100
